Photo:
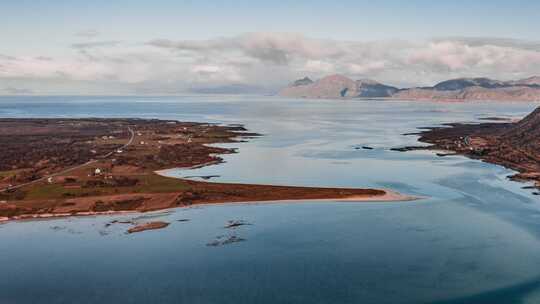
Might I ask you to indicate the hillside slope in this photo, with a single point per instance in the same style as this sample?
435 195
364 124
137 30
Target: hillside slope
513 145
459 89
337 86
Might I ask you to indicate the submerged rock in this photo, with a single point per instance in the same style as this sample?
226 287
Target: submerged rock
233 223
220 242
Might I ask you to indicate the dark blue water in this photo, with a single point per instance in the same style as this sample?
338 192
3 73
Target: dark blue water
474 239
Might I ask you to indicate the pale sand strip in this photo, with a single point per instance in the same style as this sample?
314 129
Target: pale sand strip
390 196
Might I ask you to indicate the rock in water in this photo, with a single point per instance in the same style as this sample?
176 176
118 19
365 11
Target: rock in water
148 226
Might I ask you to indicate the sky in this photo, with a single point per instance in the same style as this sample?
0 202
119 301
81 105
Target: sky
169 47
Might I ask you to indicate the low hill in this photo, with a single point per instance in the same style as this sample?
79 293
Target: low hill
513 145
510 93
526 133
337 86
459 89
463 83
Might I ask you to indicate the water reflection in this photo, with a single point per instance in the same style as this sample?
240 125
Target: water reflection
474 239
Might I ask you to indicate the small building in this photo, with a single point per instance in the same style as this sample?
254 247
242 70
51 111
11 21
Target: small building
50 180
97 171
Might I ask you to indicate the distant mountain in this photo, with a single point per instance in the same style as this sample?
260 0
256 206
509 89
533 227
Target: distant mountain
531 81
333 86
302 82
463 83
337 86
460 89
517 93
370 88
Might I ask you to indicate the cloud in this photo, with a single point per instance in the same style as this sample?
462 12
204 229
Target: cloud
88 33
494 41
275 48
318 66
7 57
44 58
395 61
17 91
481 59
95 44
35 67
272 60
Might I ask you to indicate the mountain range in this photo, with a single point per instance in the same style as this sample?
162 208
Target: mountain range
460 89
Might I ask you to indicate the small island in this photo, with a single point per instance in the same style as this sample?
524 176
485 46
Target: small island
148 226
66 167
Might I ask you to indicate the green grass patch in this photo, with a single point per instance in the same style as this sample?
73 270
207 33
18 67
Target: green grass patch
151 183
154 183
8 173
40 191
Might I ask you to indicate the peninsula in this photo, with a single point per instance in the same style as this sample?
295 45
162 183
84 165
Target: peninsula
63 167
515 145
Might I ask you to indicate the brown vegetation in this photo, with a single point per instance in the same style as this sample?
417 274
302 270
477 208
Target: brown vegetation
93 166
513 145
148 226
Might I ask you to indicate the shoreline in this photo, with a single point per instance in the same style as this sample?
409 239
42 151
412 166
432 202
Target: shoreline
389 196
513 145
129 174
409 99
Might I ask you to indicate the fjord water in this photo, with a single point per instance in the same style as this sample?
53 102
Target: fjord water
474 238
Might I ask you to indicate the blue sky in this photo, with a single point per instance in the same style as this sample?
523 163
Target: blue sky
49 29
53 22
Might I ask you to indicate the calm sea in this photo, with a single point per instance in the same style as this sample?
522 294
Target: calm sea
474 239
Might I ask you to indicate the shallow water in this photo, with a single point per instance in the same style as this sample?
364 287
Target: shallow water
475 238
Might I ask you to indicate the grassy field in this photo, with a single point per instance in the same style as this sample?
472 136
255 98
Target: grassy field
148 183
4 174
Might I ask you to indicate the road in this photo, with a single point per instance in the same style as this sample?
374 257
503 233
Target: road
130 141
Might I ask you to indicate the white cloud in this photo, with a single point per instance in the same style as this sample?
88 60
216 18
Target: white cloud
88 33
457 56
205 69
318 66
274 59
367 67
